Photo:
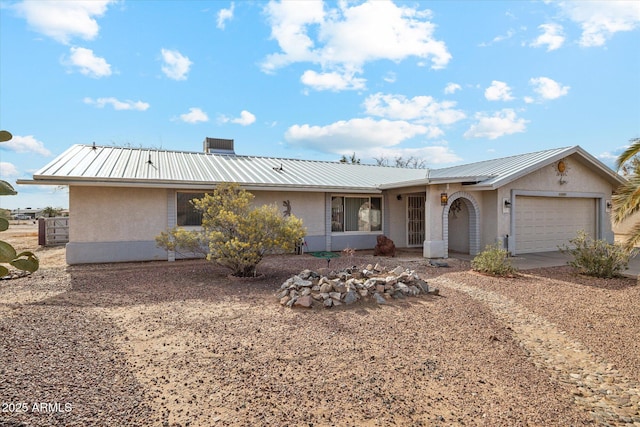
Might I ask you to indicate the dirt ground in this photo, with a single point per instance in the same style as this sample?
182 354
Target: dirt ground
181 344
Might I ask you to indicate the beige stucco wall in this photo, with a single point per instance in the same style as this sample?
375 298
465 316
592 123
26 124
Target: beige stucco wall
116 214
579 179
307 206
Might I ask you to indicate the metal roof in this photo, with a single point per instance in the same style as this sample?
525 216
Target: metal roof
121 166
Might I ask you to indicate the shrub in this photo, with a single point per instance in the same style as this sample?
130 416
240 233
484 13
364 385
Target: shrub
493 260
596 257
235 234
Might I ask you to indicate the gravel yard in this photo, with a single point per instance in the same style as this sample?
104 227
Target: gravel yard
181 344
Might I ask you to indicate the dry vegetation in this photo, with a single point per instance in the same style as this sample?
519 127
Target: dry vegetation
182 344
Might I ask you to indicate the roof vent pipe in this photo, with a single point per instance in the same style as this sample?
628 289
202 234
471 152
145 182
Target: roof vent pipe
218 146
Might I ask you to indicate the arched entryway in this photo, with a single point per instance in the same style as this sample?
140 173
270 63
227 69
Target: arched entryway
461 224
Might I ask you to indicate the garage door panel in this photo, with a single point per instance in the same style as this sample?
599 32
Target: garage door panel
544 223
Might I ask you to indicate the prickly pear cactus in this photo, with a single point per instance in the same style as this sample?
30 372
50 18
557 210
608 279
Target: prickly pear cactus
25 261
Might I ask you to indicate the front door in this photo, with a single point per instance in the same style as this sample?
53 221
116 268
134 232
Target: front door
415 220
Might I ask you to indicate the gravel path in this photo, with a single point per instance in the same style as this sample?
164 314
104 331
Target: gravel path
612 398
177 344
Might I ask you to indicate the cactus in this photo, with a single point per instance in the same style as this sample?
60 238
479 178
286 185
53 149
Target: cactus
25 261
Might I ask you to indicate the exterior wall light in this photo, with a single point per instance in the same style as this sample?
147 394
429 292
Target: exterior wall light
444 198
507 204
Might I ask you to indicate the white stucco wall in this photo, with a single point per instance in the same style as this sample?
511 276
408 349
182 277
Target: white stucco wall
116 214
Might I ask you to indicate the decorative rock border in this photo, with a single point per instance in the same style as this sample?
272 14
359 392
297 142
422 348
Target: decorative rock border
309 288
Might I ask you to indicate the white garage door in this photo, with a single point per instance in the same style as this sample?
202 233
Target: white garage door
544 223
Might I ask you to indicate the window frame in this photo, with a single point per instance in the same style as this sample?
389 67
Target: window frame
190 208
343 213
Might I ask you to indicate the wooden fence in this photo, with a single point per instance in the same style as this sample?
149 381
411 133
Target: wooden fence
53 231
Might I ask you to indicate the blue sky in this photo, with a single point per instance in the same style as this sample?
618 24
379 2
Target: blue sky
447 82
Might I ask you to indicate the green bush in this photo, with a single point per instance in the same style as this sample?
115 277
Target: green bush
235 234
493 260
596 257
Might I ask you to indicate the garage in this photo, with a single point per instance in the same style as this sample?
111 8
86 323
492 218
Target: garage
544 223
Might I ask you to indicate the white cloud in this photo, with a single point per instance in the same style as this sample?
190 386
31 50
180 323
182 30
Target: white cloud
551 36
176 66
498 91
390 77
25 144
548 88
117 104
420 109
332 81
8 170
345 38
245 119
452 88
504 122
356 134
62 20
498 39
195 115
600 20
225 15
87 63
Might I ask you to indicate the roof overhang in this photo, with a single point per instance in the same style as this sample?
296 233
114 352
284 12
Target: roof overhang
200 186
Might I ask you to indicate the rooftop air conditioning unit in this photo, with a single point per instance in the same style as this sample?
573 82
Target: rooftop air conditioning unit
218 146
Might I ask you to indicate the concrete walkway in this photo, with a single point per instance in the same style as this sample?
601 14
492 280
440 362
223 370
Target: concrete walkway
556 258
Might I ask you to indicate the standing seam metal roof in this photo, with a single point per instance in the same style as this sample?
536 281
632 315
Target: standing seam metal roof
85 163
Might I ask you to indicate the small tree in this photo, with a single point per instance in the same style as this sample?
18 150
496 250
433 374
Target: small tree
51 212
235 234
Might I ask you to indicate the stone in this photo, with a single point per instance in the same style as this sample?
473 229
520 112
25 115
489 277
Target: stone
316 297
304 301
291 302
324 295
397 271
340 287
300 282
350 298
391 280
328 303
413 290
423 286
384 247
380 288
283 293
336 302
402 288
370 266
435 291
326 288
305 274
305 292
335 295
379 298
284 300
363 292
377 268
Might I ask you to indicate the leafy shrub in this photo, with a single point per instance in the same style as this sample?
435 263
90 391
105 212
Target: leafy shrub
235 234
493 260
596 257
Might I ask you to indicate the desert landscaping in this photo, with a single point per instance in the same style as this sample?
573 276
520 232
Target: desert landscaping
183 344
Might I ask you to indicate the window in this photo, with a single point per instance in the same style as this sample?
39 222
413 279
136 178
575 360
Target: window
186 212
356 214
